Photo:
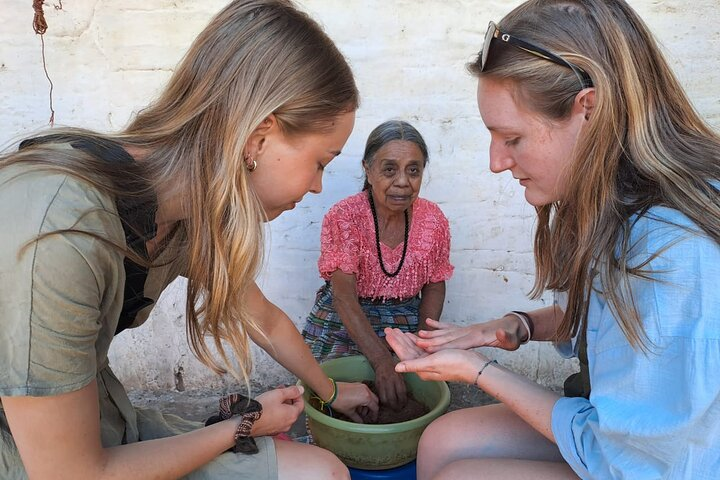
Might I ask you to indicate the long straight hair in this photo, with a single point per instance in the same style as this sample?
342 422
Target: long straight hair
255 58
644 146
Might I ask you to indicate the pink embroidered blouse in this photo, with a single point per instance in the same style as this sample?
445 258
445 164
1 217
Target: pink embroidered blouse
348 243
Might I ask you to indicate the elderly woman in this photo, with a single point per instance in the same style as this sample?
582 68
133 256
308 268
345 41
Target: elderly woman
385 259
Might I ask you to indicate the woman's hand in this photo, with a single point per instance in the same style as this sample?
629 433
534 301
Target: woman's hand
356 401
390 385
404 344
506 333
446 365
281 408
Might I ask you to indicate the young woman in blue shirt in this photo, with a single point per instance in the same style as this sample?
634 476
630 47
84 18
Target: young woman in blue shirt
586 114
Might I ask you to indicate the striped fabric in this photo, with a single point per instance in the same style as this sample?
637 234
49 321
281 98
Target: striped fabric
327 337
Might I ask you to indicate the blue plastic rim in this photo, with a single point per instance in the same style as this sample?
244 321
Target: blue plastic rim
405 472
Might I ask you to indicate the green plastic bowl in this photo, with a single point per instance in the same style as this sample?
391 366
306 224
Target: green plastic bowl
374 447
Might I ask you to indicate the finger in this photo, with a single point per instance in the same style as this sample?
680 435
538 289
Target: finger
374 415
443 335
382 393
391 337
291 393
413 345
439 331
393 396
412 339
416 365
401 393
398 344
403 352
434 323
430 333
372 401
406 339
354 416
298 404
426 343
437 344
391 332
373 407
386 392
432 347
364 413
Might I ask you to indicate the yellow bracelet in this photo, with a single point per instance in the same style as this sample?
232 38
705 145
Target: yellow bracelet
328 403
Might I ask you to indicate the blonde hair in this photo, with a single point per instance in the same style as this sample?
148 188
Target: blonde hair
255 58
644 145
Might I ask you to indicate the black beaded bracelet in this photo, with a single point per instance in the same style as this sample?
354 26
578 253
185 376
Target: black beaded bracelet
483 368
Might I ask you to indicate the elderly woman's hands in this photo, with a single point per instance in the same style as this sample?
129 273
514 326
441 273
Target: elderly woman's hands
390 385
506 333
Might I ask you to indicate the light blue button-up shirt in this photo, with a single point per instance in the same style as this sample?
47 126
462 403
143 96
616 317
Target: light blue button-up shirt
653 415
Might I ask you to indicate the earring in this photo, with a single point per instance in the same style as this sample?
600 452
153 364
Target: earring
250 166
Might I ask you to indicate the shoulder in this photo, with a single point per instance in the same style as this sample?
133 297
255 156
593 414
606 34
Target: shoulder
38 199
41 184
429 207
350 206
429 213
670 234
660 224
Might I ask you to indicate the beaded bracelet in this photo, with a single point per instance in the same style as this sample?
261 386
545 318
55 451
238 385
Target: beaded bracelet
483 368
328 403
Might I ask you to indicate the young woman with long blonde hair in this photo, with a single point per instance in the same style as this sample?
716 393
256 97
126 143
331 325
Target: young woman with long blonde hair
258 107
585 112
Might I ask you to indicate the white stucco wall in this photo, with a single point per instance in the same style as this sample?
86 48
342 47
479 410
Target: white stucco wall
108 58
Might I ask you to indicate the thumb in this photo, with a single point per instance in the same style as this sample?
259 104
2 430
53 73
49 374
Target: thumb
415 365
401 367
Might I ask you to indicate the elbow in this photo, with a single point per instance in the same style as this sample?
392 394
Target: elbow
343 301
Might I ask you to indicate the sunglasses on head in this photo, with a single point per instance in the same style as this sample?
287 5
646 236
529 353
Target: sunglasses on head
494 33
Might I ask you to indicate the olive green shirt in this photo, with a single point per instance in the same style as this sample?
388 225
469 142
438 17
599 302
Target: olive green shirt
60 300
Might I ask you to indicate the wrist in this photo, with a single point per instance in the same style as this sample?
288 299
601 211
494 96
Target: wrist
482 369
328 390
327 401
333 394
524 325
245 412
381 358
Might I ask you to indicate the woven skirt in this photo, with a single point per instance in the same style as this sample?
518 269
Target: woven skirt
328 338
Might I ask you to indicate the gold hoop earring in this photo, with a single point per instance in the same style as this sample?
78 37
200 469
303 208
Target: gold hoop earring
251 166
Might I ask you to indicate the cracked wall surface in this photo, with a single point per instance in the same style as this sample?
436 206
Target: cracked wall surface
107 59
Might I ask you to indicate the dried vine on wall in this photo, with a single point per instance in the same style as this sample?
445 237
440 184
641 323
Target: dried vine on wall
40 26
